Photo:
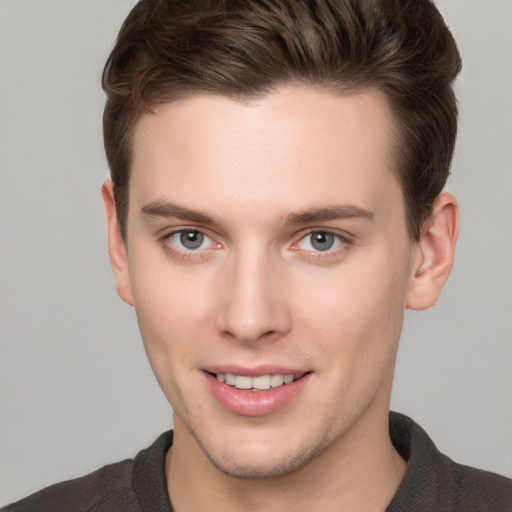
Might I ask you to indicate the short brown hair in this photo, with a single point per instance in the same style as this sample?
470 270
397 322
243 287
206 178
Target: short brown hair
169 49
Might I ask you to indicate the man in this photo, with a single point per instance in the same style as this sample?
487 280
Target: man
276 203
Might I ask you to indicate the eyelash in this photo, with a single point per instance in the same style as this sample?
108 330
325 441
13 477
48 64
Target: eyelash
186 253
343 243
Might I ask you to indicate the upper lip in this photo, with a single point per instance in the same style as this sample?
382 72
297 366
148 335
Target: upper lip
255 371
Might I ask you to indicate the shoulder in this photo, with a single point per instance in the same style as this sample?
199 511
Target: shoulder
108 488
433 481
128 486
481 490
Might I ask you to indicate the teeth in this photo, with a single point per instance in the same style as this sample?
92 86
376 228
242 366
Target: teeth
243 382
262 382
276 381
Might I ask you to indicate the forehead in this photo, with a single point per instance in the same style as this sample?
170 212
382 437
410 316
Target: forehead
293 148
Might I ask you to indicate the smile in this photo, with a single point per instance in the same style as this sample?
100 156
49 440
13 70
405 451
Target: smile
256 392
259 383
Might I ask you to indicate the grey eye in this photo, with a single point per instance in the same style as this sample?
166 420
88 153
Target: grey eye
190 239
322 241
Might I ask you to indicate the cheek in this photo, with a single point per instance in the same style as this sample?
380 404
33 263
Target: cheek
355 328
172 316
356 311
172 311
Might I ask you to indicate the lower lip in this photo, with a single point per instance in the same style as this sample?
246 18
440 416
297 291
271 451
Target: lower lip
254 403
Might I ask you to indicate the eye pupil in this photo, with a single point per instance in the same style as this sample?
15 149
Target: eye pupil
191 239
322 241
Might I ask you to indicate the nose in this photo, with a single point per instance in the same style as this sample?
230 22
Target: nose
253 299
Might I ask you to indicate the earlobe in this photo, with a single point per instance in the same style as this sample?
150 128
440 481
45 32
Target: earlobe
434 253
116 245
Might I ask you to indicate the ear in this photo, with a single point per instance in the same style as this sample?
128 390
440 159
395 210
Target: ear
116 246
434 253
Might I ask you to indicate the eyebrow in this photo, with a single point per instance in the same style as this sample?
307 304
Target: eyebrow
165 209
329 213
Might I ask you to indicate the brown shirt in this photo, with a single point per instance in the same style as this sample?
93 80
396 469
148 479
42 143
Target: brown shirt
432 482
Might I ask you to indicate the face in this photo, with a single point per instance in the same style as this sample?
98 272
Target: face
269 264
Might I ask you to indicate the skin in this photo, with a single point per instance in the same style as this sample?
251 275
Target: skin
258 292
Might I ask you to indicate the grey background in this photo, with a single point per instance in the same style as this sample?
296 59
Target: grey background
76 391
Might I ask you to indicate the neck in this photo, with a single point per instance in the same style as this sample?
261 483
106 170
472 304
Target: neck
361 471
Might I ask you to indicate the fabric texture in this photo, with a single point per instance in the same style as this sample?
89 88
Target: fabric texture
432 482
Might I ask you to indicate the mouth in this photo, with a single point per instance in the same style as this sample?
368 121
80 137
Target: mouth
257 383
256 392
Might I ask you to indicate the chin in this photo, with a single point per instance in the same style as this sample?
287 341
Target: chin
261 460
247 467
